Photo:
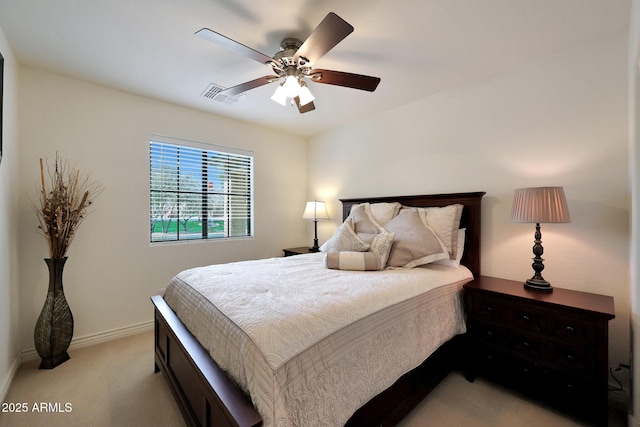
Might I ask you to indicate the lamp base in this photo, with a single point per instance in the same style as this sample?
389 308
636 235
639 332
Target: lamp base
538 285
315 247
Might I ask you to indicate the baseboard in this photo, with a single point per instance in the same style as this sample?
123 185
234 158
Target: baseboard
32 354
4 390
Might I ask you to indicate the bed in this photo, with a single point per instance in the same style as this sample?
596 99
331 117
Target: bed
208 397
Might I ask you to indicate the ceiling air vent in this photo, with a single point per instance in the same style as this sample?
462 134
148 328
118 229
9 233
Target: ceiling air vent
213 92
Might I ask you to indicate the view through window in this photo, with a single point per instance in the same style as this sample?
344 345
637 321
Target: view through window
198 192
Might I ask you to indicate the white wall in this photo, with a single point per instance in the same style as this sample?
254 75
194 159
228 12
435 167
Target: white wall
112 269
8 218
557 121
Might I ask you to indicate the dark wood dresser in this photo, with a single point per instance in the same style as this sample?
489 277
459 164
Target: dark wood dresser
297 251
553 345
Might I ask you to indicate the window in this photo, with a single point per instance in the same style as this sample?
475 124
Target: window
199 191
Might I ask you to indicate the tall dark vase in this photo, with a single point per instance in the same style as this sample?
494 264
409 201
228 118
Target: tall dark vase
54 328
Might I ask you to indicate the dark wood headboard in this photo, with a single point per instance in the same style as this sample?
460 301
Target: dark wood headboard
471 217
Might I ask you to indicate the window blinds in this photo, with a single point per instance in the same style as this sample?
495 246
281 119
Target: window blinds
198 193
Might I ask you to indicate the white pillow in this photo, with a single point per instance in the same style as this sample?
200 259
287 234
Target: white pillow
455 263
381 212
384 212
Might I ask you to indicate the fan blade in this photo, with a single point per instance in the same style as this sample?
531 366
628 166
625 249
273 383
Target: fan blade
234 90
331 31
304 108
339 78
233 45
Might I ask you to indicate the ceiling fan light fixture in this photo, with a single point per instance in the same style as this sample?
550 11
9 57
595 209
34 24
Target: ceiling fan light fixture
280 96
291 86
294 62
305 94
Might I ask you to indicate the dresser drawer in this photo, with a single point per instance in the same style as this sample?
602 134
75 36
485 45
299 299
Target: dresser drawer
572 358
526 345
489 359
572 329
524 318
487 333
495 363
576 388
489 309
528 371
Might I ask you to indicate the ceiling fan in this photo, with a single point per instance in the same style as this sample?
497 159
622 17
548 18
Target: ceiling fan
293 64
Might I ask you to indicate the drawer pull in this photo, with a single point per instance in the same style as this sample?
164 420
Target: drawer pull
571 358
490 309
571 329
526 318
490 333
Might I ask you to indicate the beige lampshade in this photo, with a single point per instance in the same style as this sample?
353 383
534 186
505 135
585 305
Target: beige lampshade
540 204
315 210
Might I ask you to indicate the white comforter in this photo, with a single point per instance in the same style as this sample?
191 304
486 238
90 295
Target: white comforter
311 345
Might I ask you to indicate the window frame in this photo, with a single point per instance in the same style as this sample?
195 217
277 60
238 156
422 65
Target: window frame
243 159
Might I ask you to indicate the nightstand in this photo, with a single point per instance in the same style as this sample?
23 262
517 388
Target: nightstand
552 345
297 251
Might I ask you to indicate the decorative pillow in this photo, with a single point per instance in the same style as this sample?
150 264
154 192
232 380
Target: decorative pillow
455 263
356 261
381 212
445 222
414 243
367 237
363 221
384 212
344 239
381 246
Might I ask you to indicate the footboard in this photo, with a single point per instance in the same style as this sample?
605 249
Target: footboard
205 395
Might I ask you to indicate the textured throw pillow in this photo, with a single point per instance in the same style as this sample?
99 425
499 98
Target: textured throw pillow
355 261
367 237
344 239
445 222
414 243
381 246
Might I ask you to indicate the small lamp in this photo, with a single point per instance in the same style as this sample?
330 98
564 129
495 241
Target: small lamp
537 205
305 94
314 211
280 96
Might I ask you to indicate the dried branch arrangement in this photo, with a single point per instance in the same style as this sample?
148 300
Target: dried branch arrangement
63 206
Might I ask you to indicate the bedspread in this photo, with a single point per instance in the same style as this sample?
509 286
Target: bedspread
311 345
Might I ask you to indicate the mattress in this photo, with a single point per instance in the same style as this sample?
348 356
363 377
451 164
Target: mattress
311 345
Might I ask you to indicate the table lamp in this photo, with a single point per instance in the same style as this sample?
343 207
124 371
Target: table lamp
314 211
539 205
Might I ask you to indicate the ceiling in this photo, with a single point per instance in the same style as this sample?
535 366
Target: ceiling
417 47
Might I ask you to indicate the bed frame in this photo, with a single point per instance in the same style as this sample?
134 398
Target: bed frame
207 397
